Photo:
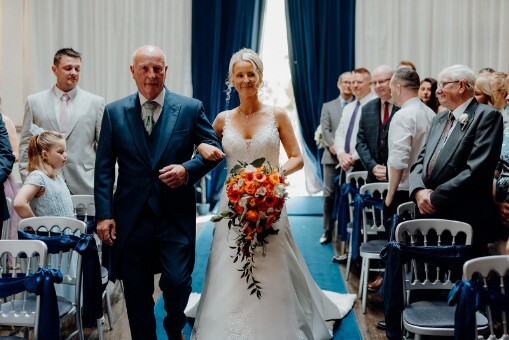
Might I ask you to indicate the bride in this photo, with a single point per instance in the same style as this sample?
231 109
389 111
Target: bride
292 306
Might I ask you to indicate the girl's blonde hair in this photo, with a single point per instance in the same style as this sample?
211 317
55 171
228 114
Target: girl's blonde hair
39 143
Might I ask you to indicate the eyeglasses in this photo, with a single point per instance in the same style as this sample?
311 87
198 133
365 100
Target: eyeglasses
442 84
380 82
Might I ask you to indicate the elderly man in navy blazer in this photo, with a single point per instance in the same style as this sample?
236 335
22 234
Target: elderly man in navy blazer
453 175
151 218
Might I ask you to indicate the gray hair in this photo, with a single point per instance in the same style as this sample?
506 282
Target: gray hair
407 78
247 55
459 72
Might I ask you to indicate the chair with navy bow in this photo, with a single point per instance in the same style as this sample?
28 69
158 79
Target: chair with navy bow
435 250
370 202
18 306
486 289
84 210
67 245
354 180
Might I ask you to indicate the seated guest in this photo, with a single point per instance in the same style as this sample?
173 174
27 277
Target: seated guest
482 91
453 176
427 93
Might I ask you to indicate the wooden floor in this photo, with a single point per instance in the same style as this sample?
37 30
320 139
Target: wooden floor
366 322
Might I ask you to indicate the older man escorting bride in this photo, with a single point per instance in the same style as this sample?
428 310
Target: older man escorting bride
292 305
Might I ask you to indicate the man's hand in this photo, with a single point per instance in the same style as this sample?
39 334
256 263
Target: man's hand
380 172
173 175
332 150
346 160
107 231
422 197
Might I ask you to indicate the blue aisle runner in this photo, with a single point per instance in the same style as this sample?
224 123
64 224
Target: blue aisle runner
307 231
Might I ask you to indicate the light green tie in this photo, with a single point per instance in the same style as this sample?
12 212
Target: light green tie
148 121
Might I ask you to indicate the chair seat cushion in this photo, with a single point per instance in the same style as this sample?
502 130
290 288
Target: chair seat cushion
372 247
435 314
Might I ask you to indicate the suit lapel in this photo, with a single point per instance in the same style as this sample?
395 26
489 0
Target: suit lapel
80 105
133 117
167 122
454 139
49 109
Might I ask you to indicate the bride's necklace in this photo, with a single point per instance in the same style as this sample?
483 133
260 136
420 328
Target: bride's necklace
246 116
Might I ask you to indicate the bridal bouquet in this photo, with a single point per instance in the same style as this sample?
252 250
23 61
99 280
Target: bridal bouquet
256 196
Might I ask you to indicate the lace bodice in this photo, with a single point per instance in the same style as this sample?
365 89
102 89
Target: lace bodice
265 143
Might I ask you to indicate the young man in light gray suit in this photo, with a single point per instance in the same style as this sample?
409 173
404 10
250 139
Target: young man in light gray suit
329 120
68 109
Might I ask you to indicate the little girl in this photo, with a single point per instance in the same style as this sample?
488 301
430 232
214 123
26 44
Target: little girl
44 192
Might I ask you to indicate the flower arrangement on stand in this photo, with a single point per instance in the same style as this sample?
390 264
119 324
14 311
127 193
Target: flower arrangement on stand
256 196
320 141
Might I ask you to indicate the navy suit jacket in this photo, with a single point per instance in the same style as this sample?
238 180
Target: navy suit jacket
6 162
368 136
122 140
462 178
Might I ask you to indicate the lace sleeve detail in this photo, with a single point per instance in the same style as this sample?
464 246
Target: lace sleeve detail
36 178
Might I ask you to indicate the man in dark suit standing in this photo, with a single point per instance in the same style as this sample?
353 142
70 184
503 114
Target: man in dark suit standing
151 218
453 175
374 126
329 121
6 162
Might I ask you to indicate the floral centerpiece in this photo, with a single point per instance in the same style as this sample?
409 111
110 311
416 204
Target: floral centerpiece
256 196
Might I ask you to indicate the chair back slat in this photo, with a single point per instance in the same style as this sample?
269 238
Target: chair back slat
84 206
432 232
356 179
26 256
490 268
372 218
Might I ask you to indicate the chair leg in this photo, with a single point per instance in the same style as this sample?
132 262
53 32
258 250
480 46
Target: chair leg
100 328
108 308
349 260
365 286
361 280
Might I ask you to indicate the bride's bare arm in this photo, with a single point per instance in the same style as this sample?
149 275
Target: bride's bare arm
210 152
295 160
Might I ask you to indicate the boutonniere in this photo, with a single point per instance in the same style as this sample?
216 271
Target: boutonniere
463 119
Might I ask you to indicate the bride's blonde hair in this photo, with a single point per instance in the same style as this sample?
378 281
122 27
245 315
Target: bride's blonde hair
245 54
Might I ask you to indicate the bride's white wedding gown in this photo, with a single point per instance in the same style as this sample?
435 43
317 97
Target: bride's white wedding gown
292 306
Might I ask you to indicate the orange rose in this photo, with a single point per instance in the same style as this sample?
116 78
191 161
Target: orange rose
252 202
269 188
250 188
238 209
252 215
270 220
274 178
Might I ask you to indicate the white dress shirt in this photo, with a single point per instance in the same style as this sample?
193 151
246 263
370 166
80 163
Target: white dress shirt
58 101
159 100
340 136
407 134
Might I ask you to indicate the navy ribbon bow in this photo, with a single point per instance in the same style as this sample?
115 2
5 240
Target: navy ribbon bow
341 212
394 255
92 287
470 296
40 283
359 202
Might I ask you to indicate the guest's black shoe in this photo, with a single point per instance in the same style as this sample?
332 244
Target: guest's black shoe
381 325
340 258
326 238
